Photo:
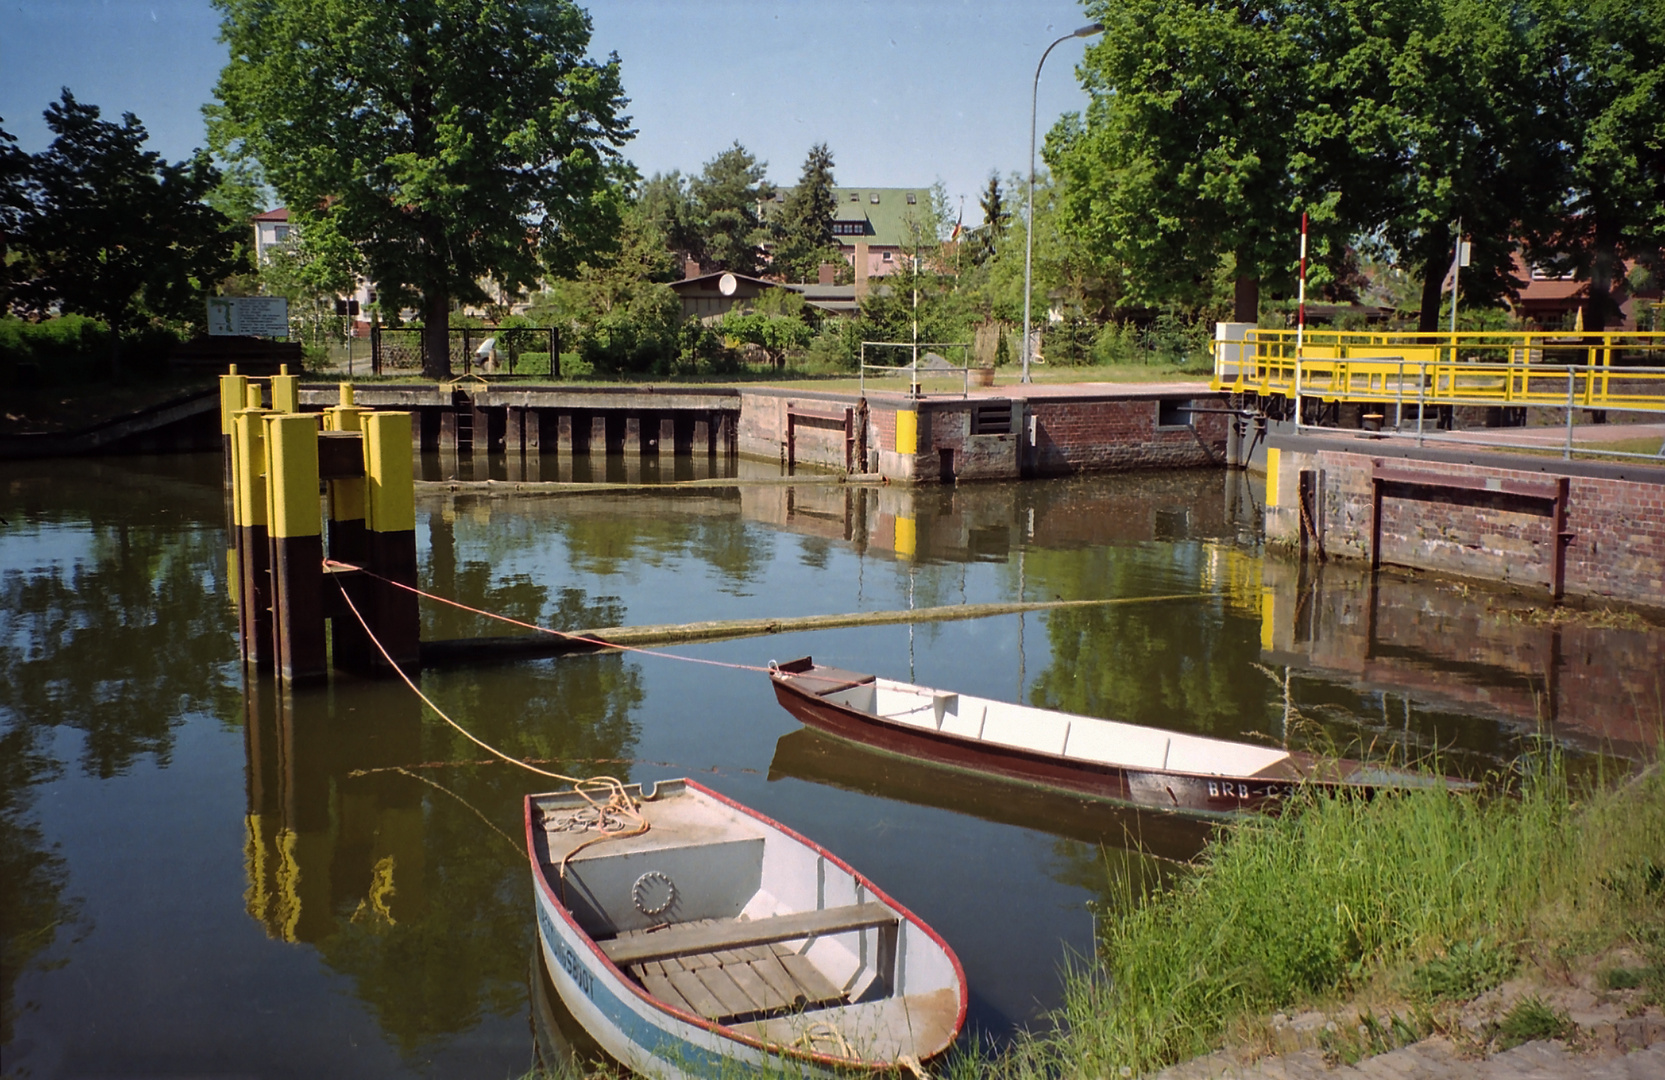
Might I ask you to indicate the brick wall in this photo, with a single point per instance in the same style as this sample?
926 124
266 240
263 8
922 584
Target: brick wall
1096 436
1617 520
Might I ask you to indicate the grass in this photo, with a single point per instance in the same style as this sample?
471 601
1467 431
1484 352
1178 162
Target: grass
1423 894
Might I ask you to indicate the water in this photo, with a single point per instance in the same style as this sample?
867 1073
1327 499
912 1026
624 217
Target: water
202 874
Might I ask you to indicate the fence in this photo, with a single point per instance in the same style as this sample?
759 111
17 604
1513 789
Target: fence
397 349
917 374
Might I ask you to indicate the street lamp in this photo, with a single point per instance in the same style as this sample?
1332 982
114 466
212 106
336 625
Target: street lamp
1029 225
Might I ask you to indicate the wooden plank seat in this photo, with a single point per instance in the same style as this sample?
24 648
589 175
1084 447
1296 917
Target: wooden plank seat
687 939
733 971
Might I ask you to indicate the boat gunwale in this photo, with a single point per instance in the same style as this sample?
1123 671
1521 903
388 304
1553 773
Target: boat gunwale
541 876
1296 757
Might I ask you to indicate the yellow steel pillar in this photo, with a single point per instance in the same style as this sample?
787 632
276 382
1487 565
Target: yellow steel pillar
295 525
349 542
390 517
286 392
249 535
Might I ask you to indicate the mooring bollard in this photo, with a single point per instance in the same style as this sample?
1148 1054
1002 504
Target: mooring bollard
233 392
390 516
249 539
286 392
295 526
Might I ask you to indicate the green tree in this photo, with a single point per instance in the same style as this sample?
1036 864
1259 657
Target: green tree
669 207
1605 90
110 229
803 235
452 142
314 268
1182 159
728 192
14 207
995 219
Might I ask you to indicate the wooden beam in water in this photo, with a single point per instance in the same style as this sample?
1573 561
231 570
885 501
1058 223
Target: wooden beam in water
527 646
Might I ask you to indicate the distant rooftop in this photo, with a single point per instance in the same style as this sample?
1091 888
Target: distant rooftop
876 216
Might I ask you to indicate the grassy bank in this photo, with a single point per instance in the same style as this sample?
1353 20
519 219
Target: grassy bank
1420 897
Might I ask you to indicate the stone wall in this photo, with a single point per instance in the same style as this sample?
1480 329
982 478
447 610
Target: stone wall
1615 515
1088 435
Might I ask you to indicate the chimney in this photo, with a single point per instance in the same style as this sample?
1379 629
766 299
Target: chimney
828 274
861 269
690 269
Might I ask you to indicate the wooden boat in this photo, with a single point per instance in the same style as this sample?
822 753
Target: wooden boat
720 943
1100 758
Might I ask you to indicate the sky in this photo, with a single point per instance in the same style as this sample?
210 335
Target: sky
905 92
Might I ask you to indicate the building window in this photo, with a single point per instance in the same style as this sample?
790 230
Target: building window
280 233
887 256
1173 412
780 196
855 196
913 198
849 228
875 198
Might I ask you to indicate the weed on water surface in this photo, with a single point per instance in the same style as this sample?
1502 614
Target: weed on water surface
1532 1019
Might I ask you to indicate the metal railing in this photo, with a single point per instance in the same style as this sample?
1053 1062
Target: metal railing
917 373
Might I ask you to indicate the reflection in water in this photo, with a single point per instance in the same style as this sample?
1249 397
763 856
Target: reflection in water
411 880
178 848
1452 651
1116 852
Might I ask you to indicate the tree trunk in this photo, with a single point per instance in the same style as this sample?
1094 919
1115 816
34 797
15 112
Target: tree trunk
1599 306
436 334
1246 300
1433 276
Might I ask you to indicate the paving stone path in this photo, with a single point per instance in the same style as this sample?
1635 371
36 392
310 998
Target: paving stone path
1438 1059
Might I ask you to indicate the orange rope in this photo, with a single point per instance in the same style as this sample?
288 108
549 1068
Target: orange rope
618 799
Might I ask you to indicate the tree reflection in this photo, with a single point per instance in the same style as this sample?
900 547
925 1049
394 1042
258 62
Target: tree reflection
408 875
113 623
1176 664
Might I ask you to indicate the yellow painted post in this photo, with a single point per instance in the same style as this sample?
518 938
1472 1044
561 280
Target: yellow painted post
907 431
390 517
349 543
254 593
253 396
286 392
1273 456
297 544
907 537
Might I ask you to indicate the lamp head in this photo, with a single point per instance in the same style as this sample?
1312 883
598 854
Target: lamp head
1089 30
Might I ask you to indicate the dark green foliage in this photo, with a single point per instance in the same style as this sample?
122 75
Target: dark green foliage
108 229
1467 969
995 219
449 142
1531 1018
727 193
803 231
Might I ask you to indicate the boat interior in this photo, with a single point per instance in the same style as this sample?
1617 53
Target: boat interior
1082 738
720 915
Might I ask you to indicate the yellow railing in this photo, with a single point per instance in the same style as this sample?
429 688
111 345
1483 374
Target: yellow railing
1594 371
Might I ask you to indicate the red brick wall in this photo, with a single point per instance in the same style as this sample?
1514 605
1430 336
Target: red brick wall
1095 436
1618 526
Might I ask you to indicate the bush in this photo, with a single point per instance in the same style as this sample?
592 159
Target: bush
67 349
574 366
532 363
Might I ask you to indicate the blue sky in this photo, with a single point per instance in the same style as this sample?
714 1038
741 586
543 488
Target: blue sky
905 92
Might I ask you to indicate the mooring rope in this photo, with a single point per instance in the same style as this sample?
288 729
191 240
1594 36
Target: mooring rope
618 803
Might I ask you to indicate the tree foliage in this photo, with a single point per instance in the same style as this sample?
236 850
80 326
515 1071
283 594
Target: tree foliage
1213 126
100 226
803 233
450 141
727 193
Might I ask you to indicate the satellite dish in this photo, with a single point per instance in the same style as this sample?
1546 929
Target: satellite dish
727 284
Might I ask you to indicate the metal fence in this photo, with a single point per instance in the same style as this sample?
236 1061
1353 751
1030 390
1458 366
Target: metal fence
399 349
915 372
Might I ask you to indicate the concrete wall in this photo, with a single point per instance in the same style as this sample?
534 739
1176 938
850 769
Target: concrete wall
1615 513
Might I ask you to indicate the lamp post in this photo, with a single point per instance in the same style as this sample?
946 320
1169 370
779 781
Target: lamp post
1029 221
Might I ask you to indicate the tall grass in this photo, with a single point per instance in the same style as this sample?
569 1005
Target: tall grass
1340 892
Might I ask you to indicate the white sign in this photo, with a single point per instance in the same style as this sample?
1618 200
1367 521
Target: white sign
248 316
1463 250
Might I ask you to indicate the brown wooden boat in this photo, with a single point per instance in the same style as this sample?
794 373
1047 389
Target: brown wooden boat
1082 754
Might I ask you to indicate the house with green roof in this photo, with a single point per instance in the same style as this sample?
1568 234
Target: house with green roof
872 225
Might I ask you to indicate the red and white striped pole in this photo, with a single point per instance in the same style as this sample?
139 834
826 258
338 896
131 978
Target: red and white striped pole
1300 320
1301 308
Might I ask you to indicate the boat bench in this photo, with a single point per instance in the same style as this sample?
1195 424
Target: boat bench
735 970
744 933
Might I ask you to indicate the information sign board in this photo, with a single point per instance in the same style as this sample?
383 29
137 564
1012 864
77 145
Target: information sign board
248 316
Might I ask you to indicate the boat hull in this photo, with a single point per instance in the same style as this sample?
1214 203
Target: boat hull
659 1040
1190 793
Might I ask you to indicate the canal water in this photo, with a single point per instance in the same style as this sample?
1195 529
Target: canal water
204 875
